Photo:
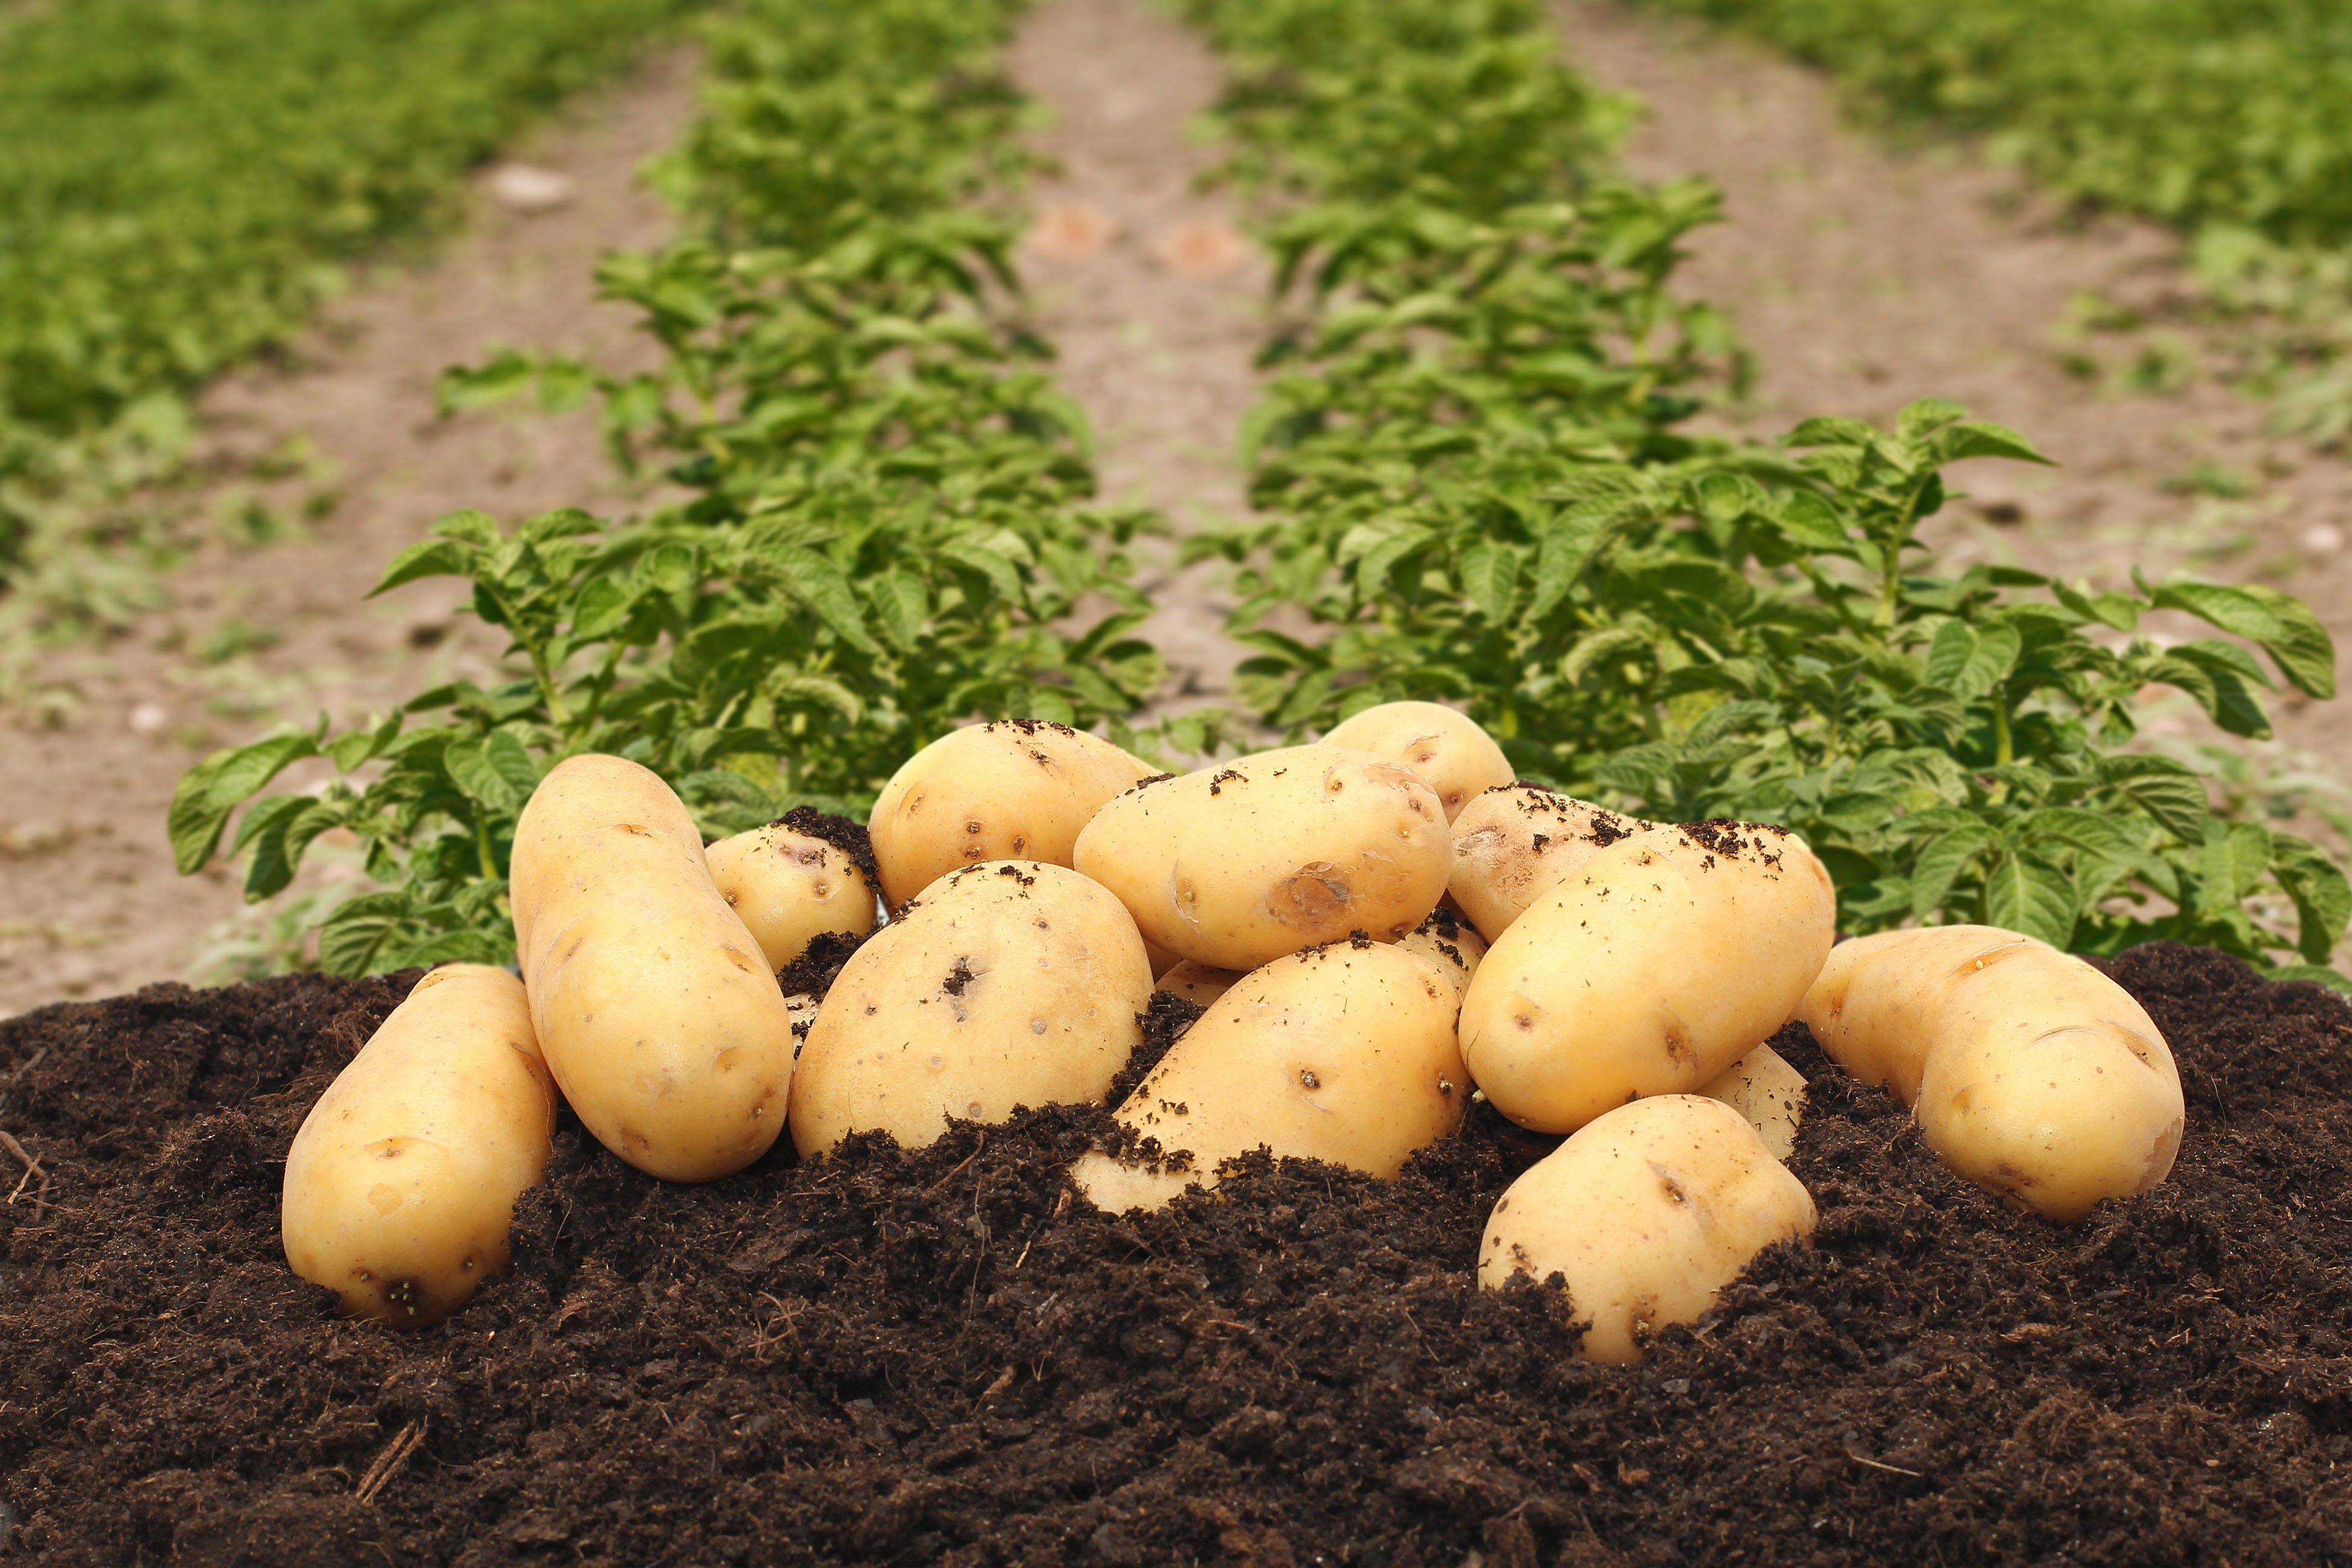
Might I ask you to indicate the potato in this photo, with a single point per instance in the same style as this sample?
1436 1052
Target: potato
1668 957
1444 747
1160 959
1236 865
1762 1087
1343 1053
1197 983
1647 1213
658 1014
2032 1074
401 1185
1019 789
1008 983
1446 937
790 888
1512 843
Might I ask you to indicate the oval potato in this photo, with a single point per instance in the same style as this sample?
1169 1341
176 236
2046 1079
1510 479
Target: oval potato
1236 865
1343 1053
1197 983
1447 939
1008 983
1762 1087
400 1188
790 888
657 1011
1017 789
1511 843
1647 1213
1668 957
1446 747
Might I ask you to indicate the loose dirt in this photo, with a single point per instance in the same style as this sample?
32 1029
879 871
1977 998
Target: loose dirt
947 1357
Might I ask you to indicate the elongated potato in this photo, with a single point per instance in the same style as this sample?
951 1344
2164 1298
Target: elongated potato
792 887
1197 983
1236 865
1343 1053
2032 1074
1447 939
1668 957
1018 789
1762 1087
1512 843
401 1185
658 1014
1447 748
1008 983
1648 1213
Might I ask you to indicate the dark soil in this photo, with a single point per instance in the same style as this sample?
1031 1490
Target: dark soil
945 1357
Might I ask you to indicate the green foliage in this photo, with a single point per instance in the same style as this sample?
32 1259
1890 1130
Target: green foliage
884 534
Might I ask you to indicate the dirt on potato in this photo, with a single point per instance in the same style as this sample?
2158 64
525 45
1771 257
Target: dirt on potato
947 1357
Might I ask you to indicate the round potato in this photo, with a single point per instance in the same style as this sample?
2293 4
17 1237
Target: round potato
401 1185
1447 748
1018 789
1343 1053
1008 983
1511 843
1447 939
790 888
2032 1074
657 1012
1762 1087
1197 983
1647 1213
1668 957
1236 865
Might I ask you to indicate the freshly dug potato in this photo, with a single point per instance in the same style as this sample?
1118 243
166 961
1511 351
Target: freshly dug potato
1669 956
1343 1053
401 1185
658 1014
1446 938
1197 983
1762 1087
1008 983
2032 1074
1019 789
791 887
1647 1213
1448 749
1238 864
1512 843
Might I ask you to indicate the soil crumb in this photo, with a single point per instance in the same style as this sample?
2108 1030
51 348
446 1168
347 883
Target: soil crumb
946 1357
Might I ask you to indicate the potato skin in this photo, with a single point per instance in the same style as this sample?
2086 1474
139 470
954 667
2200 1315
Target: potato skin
401 1185
1343 1053
1762 1087
1446 747
1008 983
657 1012
1447 939
1511 843
1648 1213
2032 1074
1236 865
1197 983
1668 957
790 888
1017 789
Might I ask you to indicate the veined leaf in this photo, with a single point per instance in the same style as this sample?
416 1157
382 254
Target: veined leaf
2026 893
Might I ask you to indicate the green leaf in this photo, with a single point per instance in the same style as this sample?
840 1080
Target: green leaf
2282 624
2231 864
1941 864
820 584
1490 578
2026 893
2165 789
357 934
1594 647
427 558
495 771
1980 438
208 791
2322 895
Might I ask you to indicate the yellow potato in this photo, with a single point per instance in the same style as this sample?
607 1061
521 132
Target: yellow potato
1513 843
1008 983
1762 1087
401 1185
1668 957
1160 959
2032 1074
658 1014
1019 789
1197 983
1444 747
1343 1053
1447 939
1647 1213
1240 863
790 888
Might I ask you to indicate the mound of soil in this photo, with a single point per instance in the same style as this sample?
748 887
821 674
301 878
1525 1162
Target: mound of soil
945 1357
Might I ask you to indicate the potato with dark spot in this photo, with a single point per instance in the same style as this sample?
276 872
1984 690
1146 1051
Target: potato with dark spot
1242 862
1018 789
1008 983
1447 748
790 888
1668 957
1646 1214
1345 1053
1510 844
657 1012
400 1188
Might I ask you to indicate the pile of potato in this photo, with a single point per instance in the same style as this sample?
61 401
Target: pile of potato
1380 928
